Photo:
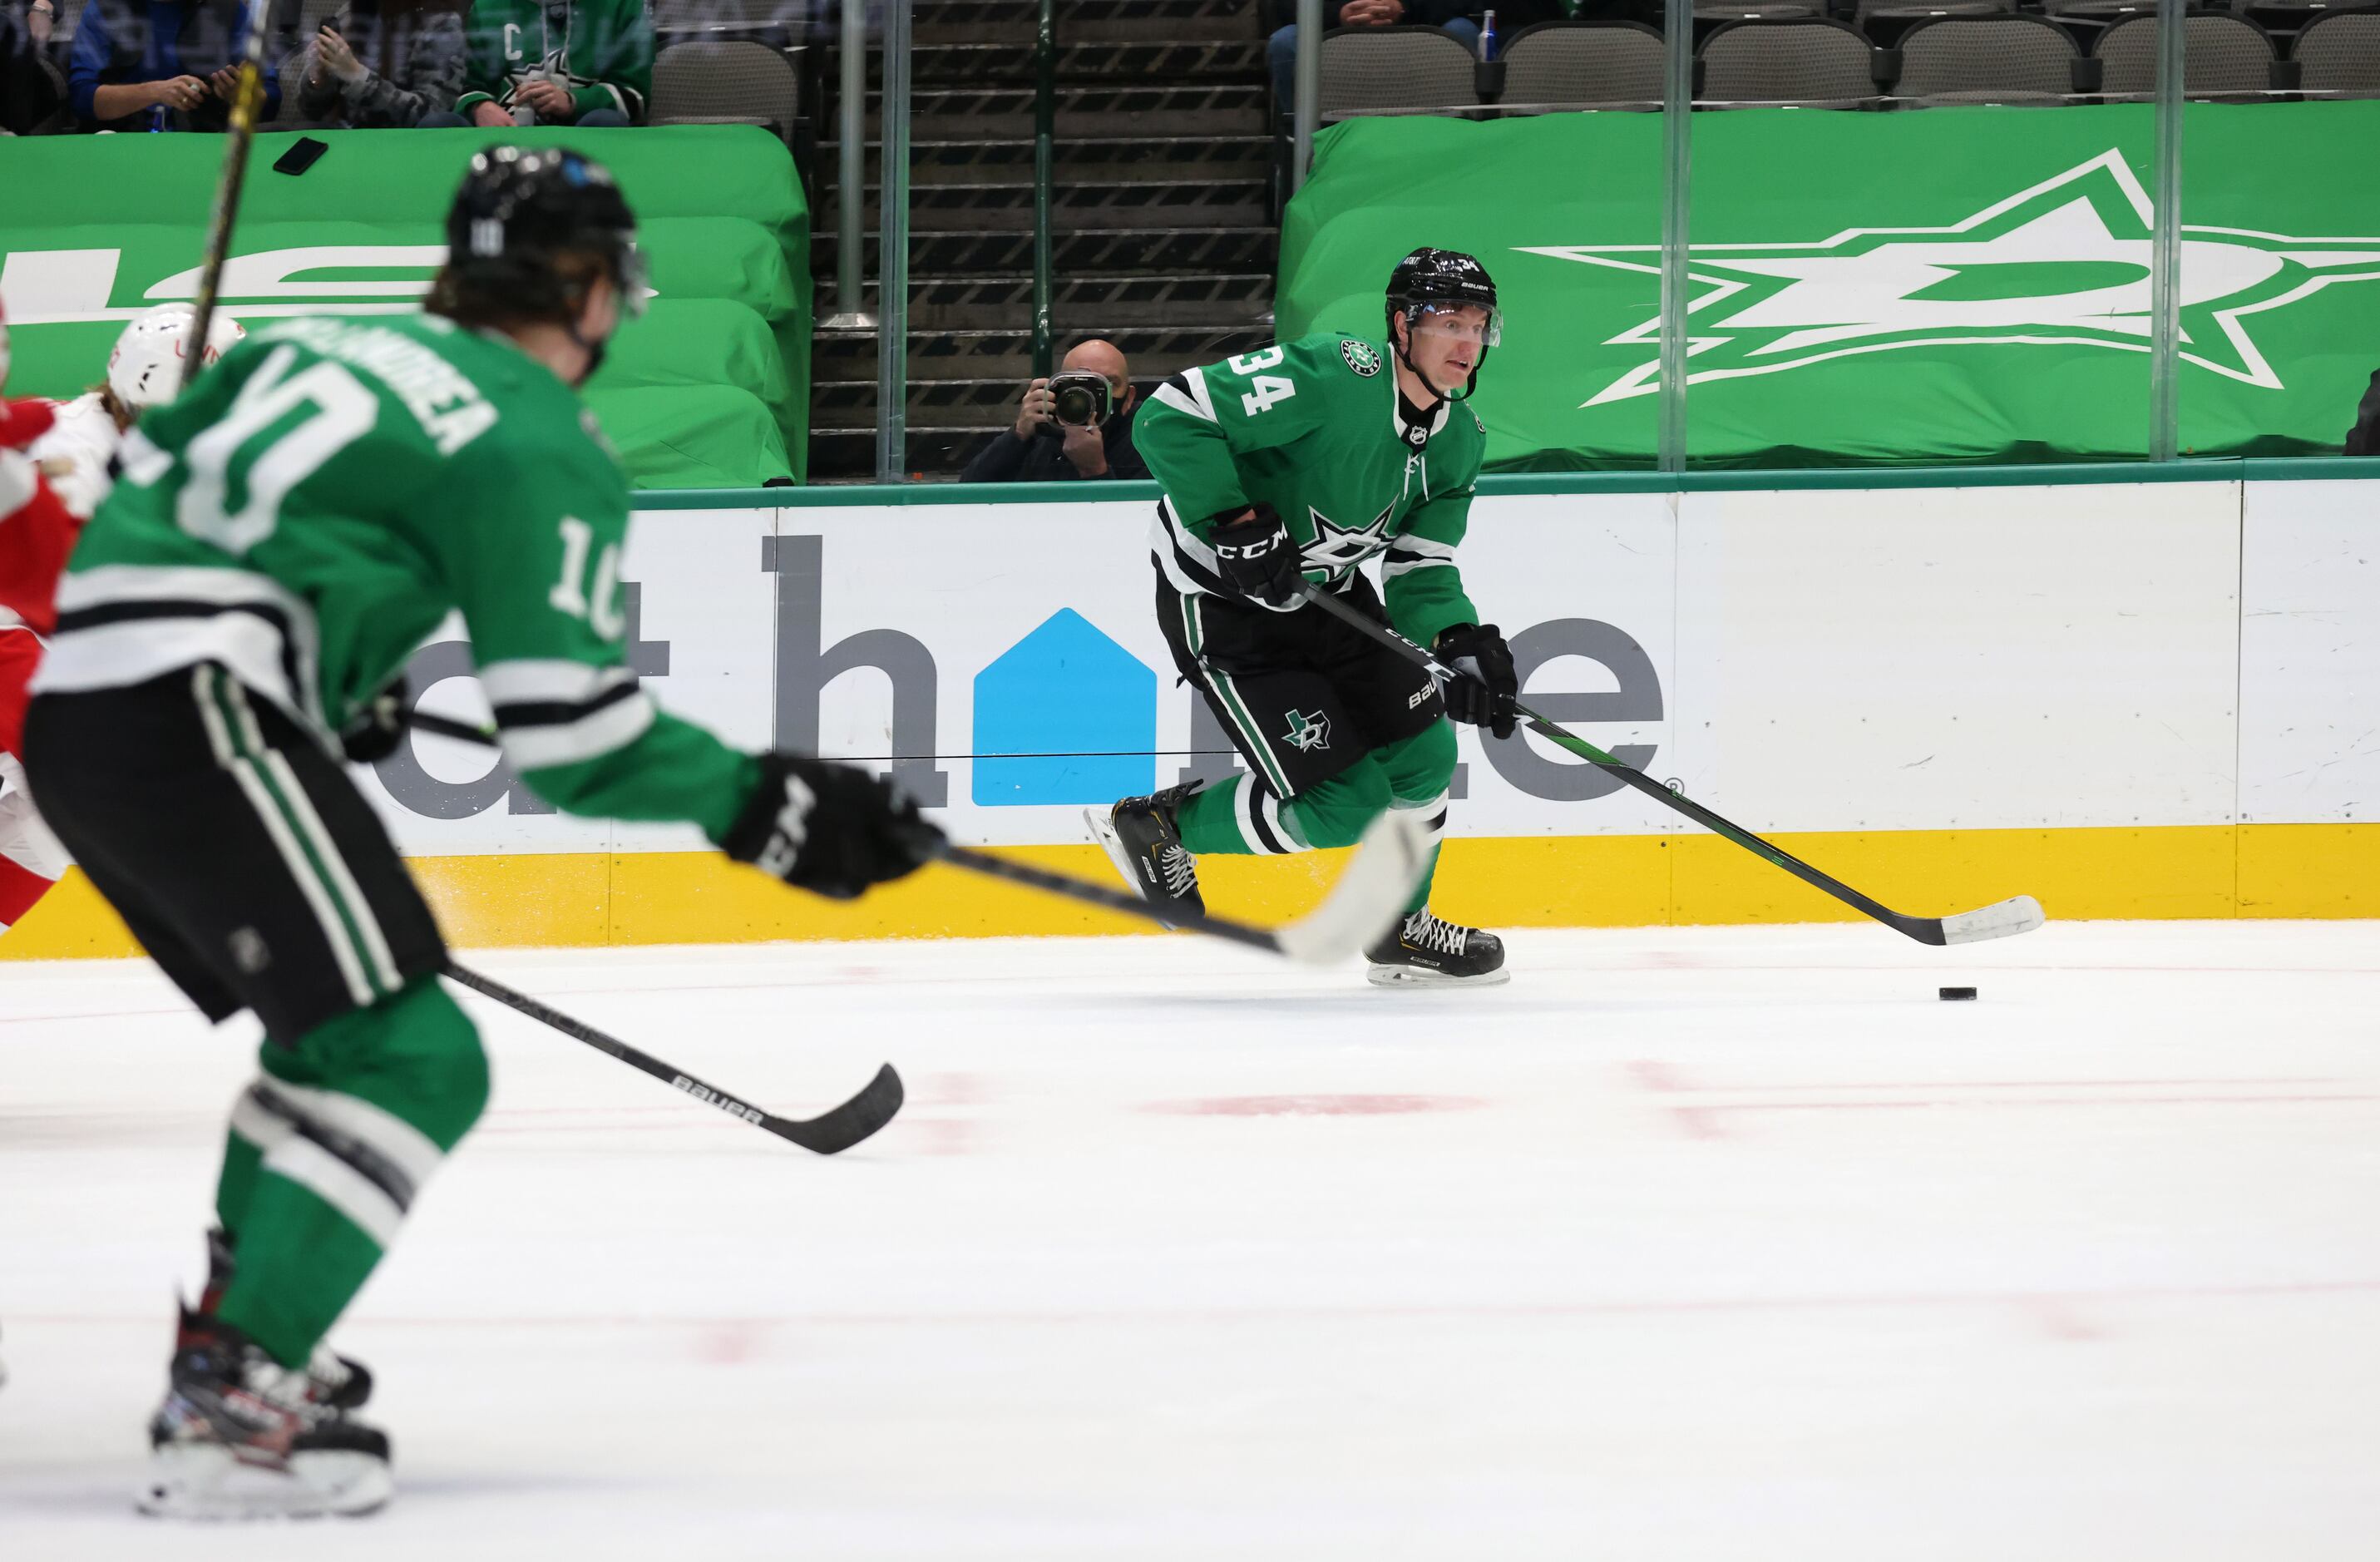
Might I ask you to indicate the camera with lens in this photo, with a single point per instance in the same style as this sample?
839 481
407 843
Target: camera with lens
1083 399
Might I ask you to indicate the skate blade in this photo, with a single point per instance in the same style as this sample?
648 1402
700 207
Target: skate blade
1417 976
207 1483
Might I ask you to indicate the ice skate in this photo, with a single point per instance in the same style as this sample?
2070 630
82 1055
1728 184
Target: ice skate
242 1437
1140 839
340 1381
1427 952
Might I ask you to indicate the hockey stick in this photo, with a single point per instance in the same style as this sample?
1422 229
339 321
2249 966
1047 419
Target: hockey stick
448 727
246 100
828 1133
1358 911
2002 919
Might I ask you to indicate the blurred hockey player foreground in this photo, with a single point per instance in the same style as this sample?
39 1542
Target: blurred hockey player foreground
279 542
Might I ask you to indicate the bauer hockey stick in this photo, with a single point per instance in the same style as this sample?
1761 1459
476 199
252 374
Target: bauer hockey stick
246 100
827 1133
2002 919
1359 910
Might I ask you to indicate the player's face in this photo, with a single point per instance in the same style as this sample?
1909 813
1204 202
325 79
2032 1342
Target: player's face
1447 343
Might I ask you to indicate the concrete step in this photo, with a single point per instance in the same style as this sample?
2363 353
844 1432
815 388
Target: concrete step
1086 305
1079 160
974 251
1005 113
1008 207
1083 21
848 453
848 358
1172 59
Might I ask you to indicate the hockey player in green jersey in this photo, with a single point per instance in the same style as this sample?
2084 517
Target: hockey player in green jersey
1303 462
281 539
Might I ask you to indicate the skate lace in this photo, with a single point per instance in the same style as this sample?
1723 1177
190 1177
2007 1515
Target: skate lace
257 1402
1426 931
1178 868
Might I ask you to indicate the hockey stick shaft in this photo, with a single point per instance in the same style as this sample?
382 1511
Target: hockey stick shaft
834 1131
1925 930
447 726
992 867
245 102
1090 894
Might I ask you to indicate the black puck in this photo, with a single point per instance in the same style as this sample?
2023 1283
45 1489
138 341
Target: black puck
1958 995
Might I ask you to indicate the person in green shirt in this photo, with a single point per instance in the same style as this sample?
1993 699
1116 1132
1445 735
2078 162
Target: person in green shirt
566 62
1300 463
229 631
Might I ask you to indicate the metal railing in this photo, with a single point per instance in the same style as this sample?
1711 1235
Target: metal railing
1045 137
850 312
892 257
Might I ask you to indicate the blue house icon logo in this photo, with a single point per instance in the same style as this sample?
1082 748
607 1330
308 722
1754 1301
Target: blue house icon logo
1064 716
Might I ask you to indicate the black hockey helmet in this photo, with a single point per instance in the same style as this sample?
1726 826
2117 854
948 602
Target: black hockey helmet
517 212
1442 278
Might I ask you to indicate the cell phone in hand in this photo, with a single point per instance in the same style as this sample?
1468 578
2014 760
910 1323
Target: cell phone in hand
303 154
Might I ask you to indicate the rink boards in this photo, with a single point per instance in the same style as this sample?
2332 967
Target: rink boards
2128 698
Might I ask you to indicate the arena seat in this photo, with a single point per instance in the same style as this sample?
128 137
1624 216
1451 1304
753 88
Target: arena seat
1577 65
2339 53
1807 63
1396 70
2223 54
2000 59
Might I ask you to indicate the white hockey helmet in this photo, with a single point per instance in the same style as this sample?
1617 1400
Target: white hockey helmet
145 369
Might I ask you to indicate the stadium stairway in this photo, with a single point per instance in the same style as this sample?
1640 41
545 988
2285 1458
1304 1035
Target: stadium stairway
1161 218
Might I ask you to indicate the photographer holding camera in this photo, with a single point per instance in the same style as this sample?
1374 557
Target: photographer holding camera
1077 424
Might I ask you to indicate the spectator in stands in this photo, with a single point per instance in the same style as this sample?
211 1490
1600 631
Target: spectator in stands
1038 450
382 64
160 65
30 87
567 62
1282 52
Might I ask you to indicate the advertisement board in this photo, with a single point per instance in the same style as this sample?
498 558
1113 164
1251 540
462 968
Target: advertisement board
2151 699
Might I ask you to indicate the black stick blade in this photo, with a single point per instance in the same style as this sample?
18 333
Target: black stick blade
834 1132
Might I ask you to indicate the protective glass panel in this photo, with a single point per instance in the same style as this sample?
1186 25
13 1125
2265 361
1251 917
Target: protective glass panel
1916 239
1528 139
2279 295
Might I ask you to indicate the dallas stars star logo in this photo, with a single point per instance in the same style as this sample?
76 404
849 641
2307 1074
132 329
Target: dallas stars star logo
1307 733
1340 548
2064 264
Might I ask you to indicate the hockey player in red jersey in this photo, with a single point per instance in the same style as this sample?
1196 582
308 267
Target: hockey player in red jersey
37 532
55 465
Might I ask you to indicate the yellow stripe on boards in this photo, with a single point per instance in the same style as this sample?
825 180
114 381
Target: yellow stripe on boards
2310 870
592 898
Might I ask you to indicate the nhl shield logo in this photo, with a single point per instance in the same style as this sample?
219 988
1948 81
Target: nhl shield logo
1306 733
1360 358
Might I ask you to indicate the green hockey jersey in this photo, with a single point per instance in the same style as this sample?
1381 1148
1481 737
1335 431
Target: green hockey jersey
601 51
1311 428
328 494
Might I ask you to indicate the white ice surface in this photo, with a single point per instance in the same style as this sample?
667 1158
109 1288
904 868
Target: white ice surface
1700 1243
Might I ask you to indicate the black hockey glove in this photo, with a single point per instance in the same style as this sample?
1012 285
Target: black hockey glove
371 736
831 829
1485 694
1255 557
